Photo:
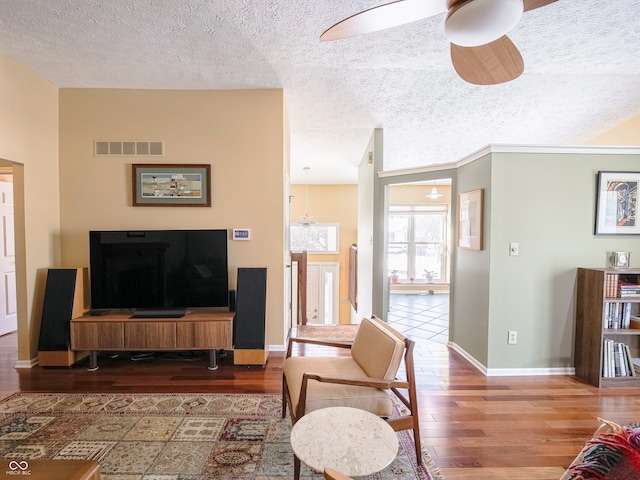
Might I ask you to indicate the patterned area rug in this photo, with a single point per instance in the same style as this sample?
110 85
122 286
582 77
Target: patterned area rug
340 333
168 437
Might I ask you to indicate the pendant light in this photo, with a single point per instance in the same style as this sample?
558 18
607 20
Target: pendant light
306 219
434 195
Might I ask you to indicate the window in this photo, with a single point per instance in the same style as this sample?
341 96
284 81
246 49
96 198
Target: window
317 238
417 241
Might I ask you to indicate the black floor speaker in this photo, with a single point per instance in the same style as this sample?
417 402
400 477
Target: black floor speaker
249 323
63 300
232 300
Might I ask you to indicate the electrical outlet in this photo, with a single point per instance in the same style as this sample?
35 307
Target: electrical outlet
514 249
512 338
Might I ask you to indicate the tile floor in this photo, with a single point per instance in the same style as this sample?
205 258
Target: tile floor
423 317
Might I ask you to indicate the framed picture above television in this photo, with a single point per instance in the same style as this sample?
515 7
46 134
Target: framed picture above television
167 185
617 203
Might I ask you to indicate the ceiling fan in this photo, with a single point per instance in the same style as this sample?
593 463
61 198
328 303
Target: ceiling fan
481 53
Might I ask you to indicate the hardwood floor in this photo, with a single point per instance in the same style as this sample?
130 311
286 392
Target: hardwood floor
475 427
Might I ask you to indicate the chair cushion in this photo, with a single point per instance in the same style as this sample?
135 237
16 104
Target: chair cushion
321 395
378 349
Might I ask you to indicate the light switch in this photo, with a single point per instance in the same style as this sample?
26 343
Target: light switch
514 249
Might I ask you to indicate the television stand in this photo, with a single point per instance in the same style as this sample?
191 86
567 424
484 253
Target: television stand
159 313
119 332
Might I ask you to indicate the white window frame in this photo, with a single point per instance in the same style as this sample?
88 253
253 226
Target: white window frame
331 240
413 210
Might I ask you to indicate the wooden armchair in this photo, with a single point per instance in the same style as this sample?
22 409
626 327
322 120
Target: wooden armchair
364 379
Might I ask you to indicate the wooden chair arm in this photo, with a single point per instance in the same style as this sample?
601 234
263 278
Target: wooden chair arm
317 341
358 382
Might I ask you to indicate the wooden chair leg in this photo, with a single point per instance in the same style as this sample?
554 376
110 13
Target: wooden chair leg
418 445
413 398
296 468
284 397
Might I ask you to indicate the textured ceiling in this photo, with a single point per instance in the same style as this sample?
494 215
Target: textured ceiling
582 71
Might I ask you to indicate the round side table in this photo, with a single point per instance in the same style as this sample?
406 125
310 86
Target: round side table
352 441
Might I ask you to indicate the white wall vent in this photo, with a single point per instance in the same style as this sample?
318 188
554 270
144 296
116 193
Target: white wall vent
111 148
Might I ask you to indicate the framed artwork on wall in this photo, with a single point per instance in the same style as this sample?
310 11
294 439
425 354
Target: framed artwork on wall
617 203
470 220
171 185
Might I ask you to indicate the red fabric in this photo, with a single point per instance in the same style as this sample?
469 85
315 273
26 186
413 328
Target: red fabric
610 456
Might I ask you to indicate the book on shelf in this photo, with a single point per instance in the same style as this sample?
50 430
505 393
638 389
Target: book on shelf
629 361
617 361
618 315
628 287
636 365
612 285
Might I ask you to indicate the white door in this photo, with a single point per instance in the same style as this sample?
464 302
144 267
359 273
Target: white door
322 292
313 293
8 309
288 267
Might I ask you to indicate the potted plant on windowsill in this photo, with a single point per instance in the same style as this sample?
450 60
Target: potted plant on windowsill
394 276
429 275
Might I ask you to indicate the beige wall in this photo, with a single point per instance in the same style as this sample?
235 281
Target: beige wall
239 133
29 144
332 204
627 133
416 194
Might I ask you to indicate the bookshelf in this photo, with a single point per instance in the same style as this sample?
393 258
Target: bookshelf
607 334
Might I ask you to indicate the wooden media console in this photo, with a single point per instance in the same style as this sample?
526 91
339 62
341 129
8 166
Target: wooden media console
196 330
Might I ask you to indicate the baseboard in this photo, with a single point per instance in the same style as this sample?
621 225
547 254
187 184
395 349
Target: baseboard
27 363
423 292
511 372
530 372
469 358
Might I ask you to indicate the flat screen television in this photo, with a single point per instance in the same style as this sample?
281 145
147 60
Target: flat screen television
158 273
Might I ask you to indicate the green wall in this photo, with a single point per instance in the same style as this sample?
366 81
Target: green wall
546 203
469 317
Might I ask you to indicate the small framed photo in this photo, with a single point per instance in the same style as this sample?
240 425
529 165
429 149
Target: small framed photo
620 259
470 220
167 185
241 234
617 203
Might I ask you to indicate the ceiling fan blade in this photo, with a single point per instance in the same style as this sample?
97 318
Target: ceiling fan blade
383 17
533 4
490 64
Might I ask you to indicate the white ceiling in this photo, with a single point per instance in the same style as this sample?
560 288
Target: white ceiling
582 71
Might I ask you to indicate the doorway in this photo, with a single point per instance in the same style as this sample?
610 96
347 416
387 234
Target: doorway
322 292
417 250
322 297
8 302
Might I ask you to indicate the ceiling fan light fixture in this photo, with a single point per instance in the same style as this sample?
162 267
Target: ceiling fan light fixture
472 23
